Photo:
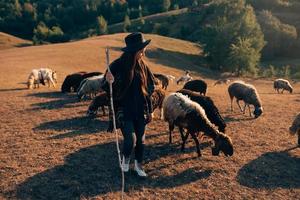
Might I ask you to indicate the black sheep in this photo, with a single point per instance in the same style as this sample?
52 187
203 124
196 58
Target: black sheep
208 105
71 82
196 86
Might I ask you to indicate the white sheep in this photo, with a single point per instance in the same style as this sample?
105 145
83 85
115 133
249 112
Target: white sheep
180 111
185 78
41 75
247 93
90 86
282 84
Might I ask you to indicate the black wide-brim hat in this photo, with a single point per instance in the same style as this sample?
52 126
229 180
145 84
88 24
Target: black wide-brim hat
135 42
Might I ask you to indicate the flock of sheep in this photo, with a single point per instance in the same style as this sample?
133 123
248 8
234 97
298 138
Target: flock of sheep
189 109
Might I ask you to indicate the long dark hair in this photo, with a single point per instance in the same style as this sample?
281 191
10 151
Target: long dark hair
131 66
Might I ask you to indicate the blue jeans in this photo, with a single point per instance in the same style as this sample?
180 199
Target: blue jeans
138 127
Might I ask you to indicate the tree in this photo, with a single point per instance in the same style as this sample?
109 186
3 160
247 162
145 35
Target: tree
127 23
102 25
41 33
233 39
166 5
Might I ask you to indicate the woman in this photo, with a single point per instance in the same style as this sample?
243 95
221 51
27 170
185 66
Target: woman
133 84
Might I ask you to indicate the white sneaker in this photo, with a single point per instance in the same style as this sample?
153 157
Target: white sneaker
125 164
139 170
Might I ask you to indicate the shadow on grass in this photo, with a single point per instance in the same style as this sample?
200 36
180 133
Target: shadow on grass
57 104
13 89
75 126
49 95
271 170
233 119
94 171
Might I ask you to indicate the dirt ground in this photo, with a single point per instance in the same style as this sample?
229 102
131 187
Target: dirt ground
49 149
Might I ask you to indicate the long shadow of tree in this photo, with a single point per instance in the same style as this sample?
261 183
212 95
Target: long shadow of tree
76 126
94 171
271 170
61 100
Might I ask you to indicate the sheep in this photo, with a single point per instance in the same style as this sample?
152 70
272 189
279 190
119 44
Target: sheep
90 86
101 100
38 76
248 93
184 78
208 105
295 128
221 81
48 75
163 79
72 82
282 84
196 86
157 99
180 111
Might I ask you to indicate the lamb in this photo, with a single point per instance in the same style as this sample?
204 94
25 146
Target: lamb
196 86
282 84
248 93
208 105
88 75
221 81
101 100
180 111
90 86
163 79
72 82
295 128
157 99
184 78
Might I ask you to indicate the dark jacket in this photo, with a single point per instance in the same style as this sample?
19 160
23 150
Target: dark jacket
129 101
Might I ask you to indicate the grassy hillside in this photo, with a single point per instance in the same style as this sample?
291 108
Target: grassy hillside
8 41
89 54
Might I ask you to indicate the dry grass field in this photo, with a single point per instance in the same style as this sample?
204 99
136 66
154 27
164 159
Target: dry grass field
49 149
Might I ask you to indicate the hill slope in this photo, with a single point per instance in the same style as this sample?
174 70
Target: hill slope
89 55
8 41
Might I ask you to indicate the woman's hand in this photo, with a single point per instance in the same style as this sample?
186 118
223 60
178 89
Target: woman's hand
109 77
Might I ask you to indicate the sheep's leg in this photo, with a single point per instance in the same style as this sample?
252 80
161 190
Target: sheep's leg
197 144
282 91
161 114
238 103
249 110
171 128
184 139
244 110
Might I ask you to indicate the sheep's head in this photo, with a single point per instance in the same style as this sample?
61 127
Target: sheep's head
222 143
257 111
295 128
